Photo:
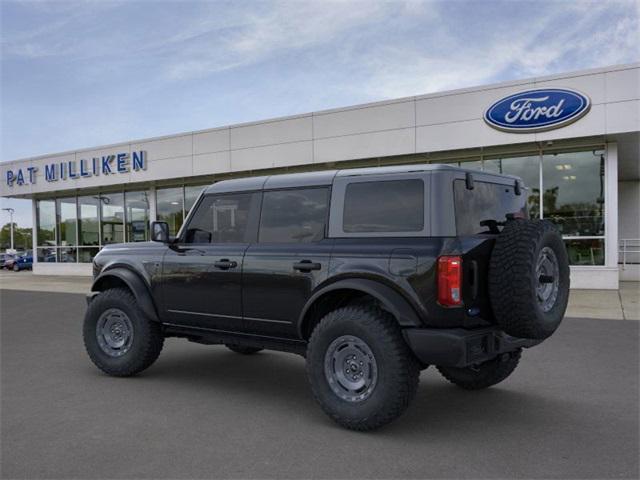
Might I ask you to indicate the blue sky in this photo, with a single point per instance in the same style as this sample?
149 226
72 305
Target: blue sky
80 74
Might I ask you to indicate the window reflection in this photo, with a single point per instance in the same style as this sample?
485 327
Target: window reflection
472 165
170 207
137 216
88 220
574 192
46 220
527 168
46 254
112 206
191 194
66 221
585 252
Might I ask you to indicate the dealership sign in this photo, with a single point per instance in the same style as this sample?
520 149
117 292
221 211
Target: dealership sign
76 169
537 110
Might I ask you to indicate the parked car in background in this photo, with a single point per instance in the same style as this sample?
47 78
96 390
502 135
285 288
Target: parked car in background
23 262
7 260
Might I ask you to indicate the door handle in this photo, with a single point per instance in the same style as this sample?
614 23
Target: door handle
306 266
225 264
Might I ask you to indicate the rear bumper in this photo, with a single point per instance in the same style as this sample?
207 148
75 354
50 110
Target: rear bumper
459 347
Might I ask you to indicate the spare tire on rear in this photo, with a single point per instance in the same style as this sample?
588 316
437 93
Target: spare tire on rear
529 278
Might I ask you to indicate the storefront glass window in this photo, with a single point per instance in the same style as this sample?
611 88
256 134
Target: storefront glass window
169 207
67 228
112 218
585 252
46 254
137 216
472 165
67 254
574 192
86 254
88 220
191 194
527 168
574 200
46 218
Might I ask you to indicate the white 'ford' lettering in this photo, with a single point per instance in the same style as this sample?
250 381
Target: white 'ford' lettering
523 109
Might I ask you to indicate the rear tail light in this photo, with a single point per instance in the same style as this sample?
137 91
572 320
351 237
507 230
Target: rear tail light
450 281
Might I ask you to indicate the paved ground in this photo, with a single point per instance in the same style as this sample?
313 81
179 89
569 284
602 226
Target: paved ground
610 304
569 411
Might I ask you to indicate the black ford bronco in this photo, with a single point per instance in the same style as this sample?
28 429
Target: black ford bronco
371 274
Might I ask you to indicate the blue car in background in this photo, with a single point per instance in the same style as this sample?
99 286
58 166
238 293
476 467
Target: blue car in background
23 262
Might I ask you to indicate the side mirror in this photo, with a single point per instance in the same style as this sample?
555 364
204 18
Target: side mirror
160 232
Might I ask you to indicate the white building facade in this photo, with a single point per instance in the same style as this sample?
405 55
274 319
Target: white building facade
581 165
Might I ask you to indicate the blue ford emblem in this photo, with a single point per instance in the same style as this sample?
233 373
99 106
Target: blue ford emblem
537 110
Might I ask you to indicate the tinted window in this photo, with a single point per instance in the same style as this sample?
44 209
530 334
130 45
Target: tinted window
221 219
487 201
389 206
294 216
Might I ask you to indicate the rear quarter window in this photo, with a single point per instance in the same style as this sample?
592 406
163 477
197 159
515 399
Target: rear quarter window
486 201
384 206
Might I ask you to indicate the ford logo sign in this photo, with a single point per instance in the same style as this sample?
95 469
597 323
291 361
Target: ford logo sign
537 110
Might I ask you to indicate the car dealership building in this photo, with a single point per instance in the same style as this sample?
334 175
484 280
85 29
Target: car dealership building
573 138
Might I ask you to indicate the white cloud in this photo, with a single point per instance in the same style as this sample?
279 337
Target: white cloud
532 47
285 27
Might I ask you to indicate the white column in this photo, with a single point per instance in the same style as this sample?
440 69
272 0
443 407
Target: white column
152 204
34 232
611 205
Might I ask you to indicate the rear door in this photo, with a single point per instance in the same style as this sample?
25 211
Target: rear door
289 260
202 272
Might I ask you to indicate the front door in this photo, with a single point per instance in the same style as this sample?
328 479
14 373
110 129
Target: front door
289 260
202 271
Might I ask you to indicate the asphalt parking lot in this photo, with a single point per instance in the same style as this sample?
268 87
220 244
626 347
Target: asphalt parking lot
569 411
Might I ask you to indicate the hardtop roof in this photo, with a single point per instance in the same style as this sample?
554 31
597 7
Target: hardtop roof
326 177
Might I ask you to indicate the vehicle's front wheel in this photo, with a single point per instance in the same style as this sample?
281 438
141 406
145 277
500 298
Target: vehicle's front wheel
484 375
360 369
242 349
16 268
119 339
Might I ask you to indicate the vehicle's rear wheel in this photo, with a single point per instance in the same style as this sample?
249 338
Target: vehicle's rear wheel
360 369
119 339
242 349
16 268
529 279
484 375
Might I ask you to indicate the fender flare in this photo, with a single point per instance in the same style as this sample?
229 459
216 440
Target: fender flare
392 301
137 286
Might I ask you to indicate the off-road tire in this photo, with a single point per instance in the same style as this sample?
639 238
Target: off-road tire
513 281
147 338
242 349
398 370
484 375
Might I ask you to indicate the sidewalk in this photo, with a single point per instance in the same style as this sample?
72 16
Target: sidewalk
623 304
26 280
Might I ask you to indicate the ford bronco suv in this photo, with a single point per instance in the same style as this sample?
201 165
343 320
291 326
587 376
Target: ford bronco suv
371 274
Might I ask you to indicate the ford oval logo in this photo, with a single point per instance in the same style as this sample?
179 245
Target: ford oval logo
537 110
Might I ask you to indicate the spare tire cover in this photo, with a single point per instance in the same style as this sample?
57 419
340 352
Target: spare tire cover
529 278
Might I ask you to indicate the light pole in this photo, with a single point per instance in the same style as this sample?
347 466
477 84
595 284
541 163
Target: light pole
11 212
